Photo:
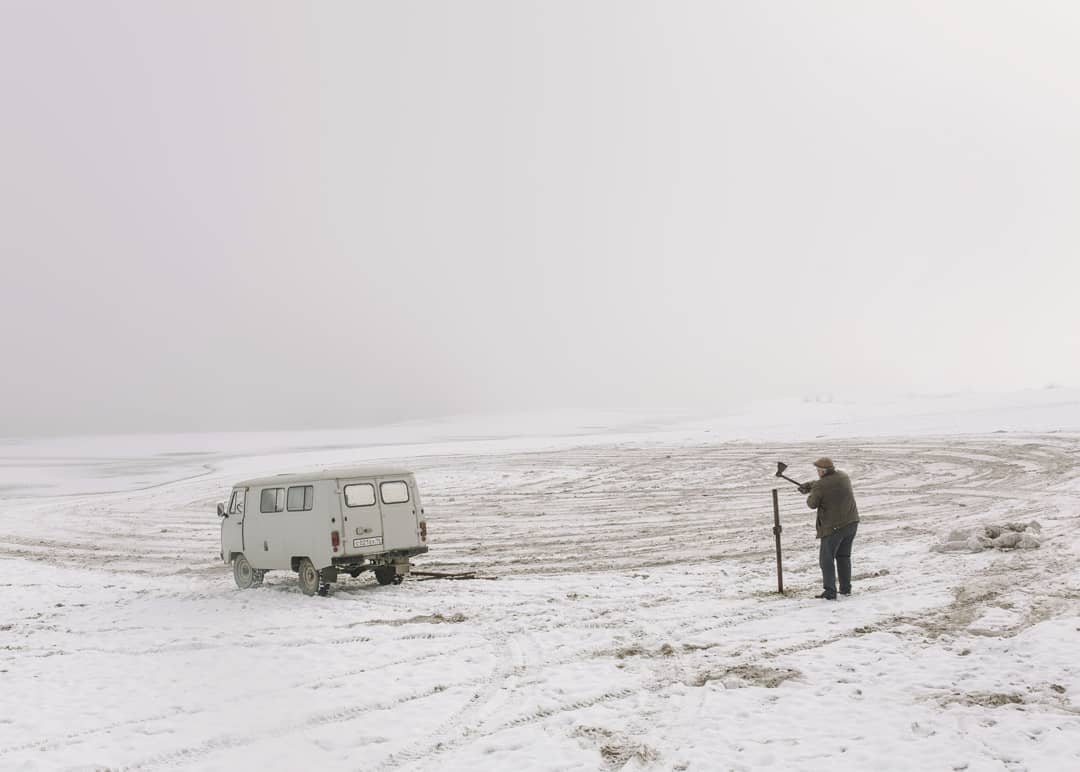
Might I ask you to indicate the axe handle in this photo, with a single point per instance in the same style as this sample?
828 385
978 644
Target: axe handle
796 482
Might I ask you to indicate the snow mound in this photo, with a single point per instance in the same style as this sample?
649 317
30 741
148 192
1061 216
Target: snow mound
1019 536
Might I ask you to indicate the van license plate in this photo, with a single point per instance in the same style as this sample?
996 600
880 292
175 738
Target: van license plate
371 541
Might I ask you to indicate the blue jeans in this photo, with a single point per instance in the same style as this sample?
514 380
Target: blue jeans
835 558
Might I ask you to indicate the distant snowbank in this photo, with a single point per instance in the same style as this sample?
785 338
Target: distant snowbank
103 463
1054 409
1044 410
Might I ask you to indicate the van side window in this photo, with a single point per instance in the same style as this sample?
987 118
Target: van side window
359 495
272 500
236 506
394 492
300 498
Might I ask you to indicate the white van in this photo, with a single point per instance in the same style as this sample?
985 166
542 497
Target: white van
323 523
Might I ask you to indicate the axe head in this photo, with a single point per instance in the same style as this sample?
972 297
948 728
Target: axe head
780 467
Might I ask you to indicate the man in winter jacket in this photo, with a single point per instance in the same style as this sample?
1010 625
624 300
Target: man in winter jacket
837 522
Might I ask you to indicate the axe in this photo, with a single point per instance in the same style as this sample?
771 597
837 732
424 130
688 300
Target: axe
780 467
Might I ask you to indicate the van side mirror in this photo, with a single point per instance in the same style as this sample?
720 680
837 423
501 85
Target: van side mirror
221 509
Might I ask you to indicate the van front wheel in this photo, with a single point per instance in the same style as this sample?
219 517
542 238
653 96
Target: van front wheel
246 577
309 577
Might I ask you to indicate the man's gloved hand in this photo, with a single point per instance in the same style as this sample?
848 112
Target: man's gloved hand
806 487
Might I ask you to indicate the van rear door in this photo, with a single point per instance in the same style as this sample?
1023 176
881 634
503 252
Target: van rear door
362 532
398 501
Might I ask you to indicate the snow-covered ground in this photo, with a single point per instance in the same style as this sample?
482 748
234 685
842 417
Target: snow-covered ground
632 621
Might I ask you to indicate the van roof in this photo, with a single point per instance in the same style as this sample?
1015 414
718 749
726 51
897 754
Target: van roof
339 473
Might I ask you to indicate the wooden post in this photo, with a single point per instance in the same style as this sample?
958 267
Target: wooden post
776 530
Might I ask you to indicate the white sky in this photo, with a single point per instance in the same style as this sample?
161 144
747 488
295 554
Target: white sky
259 215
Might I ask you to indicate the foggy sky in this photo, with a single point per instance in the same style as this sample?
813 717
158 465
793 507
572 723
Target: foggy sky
272 215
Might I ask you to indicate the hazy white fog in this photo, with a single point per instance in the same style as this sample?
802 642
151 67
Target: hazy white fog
261 215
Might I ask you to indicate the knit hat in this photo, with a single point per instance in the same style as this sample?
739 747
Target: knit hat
824 463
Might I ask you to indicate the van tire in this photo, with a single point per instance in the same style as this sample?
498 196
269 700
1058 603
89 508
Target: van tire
308 575
385 575
245 576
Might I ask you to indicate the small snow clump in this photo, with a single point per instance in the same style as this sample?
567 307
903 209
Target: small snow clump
1010 536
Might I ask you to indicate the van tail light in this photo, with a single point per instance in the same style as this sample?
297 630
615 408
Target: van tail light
423 531
335 540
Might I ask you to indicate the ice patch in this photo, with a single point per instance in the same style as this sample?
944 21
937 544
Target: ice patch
995 621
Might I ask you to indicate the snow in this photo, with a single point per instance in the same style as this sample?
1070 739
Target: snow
1022 536
634 622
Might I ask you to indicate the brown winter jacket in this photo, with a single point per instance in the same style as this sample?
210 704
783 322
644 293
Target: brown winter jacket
835 503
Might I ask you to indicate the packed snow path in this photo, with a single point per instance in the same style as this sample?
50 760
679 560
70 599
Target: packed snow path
634 623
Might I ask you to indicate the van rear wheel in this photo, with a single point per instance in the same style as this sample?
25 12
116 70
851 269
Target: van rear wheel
309 577
385 574
245 576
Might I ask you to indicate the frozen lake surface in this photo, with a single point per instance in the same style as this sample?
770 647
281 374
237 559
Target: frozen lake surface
632 621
